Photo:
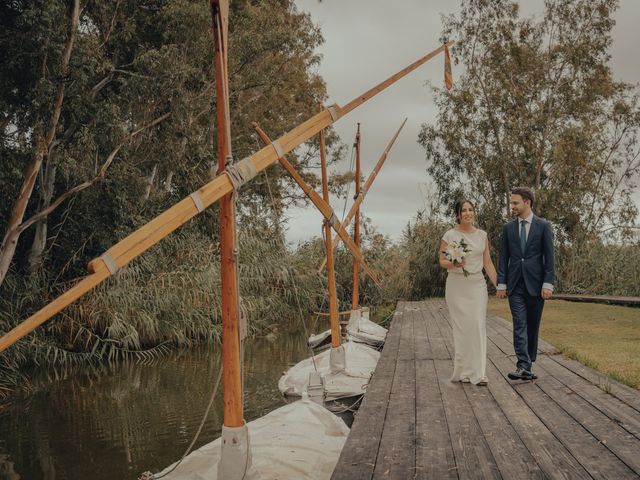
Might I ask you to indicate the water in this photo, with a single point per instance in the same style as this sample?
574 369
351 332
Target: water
117 421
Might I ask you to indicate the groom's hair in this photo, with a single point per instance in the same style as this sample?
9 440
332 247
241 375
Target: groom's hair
526 194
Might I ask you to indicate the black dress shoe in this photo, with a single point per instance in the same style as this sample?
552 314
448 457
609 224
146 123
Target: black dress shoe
520 374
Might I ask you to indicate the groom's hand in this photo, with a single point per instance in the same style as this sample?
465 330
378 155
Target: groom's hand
501 293
546 294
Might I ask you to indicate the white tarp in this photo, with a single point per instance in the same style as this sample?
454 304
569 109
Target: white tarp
300 441
363 330
359 329
317 339
360 363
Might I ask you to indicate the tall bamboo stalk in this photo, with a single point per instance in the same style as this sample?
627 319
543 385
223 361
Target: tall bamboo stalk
364 190
331 274
355 293
322 205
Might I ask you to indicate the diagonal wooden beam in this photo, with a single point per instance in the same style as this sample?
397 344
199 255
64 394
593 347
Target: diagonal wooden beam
151 233
320 204
367 184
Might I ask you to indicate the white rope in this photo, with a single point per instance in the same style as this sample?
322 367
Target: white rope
110 262
197 201
150 476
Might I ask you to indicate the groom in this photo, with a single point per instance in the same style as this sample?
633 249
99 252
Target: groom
525 274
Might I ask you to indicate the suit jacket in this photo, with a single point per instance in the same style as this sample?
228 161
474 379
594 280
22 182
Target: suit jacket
536 264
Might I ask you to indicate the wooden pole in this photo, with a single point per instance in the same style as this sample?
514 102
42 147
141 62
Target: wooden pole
331 275
152 232
323 206
364 190
355 103
356 229
231 379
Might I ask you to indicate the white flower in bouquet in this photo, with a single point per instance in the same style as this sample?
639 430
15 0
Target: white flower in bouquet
456 252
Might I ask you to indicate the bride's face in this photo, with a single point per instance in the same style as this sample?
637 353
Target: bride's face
467 214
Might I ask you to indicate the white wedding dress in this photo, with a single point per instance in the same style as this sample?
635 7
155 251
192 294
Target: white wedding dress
467 301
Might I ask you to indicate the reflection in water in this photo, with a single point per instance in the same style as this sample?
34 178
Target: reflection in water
117 421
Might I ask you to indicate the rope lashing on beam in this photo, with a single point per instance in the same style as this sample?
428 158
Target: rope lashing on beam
241 172
331 219
278 148
110 262
197 201
333 113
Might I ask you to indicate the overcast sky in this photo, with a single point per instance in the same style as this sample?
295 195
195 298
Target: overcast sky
368 40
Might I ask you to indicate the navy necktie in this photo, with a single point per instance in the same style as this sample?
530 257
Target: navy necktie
523 235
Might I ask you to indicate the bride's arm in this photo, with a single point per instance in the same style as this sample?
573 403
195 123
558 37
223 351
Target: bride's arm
488 265
444 263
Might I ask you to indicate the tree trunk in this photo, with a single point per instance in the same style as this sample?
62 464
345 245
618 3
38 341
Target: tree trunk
10 240
167 182
43 142
150 179
40 237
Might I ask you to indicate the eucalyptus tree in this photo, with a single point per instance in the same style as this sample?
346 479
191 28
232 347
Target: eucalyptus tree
106 111
535 104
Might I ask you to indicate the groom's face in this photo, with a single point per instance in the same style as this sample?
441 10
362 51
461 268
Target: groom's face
518 205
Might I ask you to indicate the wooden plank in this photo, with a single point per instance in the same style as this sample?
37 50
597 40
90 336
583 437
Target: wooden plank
396 456
436 338
500 341
358 457
622 392
421 344
512 456
434 452
620 442
393 334
472 454
610 299
592 455
550 455
618 411
405 349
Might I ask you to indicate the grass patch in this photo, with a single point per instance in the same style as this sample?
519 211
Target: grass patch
383 314
603 337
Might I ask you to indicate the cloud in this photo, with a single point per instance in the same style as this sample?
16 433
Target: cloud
368 40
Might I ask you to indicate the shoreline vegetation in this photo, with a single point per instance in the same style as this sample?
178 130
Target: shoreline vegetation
168 299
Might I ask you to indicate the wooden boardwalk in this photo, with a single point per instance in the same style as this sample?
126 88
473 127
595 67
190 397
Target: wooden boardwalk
414 423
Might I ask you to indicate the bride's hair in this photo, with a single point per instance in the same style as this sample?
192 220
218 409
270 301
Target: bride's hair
458 207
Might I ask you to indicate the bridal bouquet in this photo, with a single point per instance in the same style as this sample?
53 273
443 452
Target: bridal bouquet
456 253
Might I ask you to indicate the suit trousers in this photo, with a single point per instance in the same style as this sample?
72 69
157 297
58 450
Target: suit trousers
526 311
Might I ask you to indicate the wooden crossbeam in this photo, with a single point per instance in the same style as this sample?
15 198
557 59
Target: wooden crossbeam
367 184
323 206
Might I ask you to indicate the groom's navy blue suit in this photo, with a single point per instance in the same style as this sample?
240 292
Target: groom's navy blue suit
525 273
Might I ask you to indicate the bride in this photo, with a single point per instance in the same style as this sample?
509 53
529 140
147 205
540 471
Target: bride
466 295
